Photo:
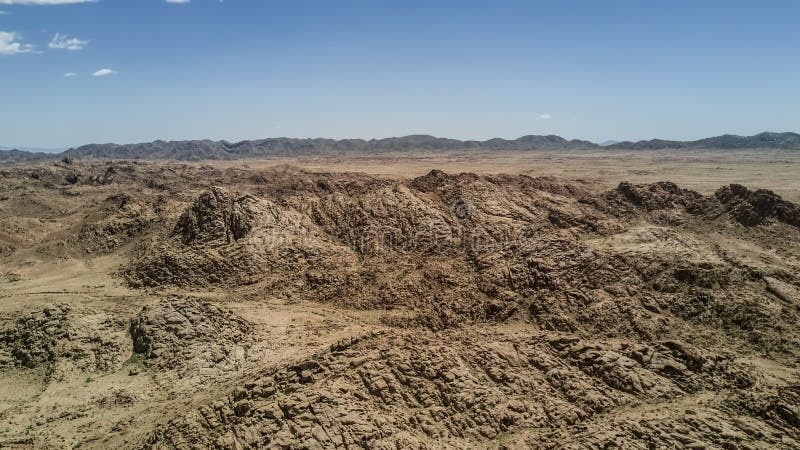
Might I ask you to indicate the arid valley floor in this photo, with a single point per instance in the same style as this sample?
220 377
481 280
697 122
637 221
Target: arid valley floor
583 299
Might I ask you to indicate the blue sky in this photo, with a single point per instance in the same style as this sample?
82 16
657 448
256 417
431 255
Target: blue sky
245 69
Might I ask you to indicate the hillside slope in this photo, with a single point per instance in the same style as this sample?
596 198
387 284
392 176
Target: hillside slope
153 305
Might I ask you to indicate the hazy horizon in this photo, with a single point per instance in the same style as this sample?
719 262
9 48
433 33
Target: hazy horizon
61 149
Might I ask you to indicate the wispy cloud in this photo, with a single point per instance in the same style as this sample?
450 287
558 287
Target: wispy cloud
104 72
178 1
64 42
544 116
70 74
44 2
10 44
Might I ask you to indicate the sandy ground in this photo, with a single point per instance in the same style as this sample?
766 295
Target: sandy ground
703 171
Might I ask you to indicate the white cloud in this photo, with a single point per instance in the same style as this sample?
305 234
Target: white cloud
10 44
3 12
178 1
70 74
44 2
65 42
544 116
104 72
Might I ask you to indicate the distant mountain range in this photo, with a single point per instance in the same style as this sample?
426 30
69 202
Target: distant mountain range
223 150
35 150
22 155
725 142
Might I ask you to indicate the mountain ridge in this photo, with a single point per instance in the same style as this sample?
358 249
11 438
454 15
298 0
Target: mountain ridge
283 146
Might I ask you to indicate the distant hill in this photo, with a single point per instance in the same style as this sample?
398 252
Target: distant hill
281 146
199 150
724 142
21 155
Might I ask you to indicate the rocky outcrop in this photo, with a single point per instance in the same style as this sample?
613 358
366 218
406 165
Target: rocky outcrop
456 249
379 391
216 216
119 220
33 339
290 309
184 333
661 195
60 338
222 238
751 208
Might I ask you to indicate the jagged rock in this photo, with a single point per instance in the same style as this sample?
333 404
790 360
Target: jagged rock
751 208
660 195
506 311
216 215
184 333
62 335
32 342
403 391
119 220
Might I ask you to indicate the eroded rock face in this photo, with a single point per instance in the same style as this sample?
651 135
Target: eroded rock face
61 337
660 195
751 208
185 333
505 312
118 220
380 391
32 341
216 215
466 248
222 239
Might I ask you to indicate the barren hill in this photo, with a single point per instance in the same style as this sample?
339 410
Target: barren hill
198 150
154 305
724 142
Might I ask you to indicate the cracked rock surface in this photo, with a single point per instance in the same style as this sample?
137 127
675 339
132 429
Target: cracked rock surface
193 306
